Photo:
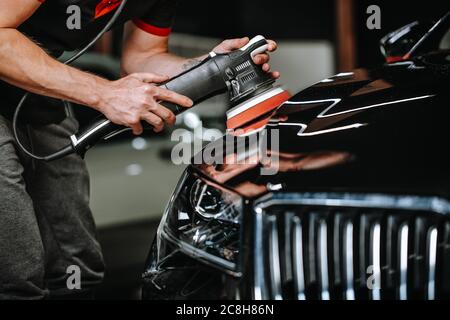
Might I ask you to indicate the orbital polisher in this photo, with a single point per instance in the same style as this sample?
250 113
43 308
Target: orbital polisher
252 94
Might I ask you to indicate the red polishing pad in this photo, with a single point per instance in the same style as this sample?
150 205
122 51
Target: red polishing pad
256 107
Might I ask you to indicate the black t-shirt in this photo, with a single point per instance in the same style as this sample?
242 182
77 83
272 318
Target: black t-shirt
49 28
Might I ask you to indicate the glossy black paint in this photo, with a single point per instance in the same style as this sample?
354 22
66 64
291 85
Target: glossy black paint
389 129
392 121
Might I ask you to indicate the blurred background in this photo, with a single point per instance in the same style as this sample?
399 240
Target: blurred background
132 177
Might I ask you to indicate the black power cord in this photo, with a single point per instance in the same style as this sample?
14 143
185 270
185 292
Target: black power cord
68 149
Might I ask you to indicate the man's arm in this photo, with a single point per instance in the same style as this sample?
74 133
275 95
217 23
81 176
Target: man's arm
145 52
26 65
126 101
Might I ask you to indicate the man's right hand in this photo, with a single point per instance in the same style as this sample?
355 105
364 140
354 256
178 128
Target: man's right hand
135 98
125 102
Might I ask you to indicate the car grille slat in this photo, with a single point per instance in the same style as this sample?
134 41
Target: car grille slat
274 259
299 271
420 268
431 260
363 249
390 259
348 267
375 247
287 248
323 260
337 249
260 287
403 262
443 261
312 281
351 252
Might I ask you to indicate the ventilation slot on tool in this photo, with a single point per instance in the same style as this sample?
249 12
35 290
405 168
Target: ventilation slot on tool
248 77
243 66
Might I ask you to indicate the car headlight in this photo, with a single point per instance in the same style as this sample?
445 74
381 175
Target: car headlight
202 220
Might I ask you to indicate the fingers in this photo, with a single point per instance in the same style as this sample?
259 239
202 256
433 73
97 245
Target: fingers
153 112
261 58
156 122
266 68
275 74
163 113
151 77
137 128
264 58
157 118
272 46
170 96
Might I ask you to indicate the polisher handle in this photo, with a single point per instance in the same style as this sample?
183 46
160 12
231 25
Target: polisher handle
198 83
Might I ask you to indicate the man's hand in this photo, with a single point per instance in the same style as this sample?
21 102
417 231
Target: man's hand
136 98
260 59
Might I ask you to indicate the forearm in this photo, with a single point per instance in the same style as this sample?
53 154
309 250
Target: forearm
26 65
162 63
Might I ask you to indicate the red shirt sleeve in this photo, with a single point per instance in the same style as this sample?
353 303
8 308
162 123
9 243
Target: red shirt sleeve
159 19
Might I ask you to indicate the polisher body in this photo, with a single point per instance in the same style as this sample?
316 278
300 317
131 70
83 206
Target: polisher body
233 72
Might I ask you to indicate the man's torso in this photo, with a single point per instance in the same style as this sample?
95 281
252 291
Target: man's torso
55 28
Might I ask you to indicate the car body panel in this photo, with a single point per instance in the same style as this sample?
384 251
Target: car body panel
387 127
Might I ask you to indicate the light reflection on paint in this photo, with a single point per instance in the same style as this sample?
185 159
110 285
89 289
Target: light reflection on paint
324 114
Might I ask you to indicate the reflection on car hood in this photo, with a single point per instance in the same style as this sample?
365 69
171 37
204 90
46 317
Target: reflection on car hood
381 130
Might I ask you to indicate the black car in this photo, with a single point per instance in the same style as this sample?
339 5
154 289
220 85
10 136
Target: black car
359 207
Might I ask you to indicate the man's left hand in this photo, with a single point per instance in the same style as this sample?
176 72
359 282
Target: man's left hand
260 59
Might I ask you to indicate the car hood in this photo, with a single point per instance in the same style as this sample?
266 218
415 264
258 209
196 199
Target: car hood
380 130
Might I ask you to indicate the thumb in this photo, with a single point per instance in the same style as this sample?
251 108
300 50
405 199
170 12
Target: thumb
235 44
151 77
243 41
231 44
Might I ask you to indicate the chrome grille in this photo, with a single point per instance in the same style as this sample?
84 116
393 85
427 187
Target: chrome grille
349 246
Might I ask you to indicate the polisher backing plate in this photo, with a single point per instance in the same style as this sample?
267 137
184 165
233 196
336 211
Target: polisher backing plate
259 105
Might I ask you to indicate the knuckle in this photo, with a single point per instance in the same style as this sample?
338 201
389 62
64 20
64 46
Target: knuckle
159 122
149 89
134 120
165 115
170 94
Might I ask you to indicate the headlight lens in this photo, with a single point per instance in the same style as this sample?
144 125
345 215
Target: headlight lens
203 220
